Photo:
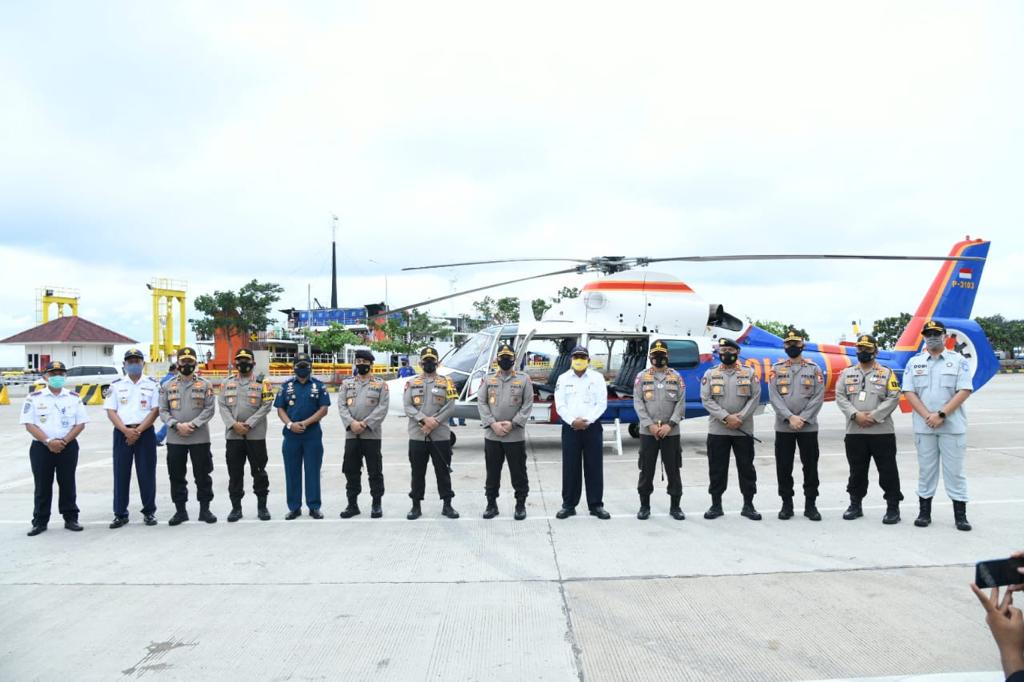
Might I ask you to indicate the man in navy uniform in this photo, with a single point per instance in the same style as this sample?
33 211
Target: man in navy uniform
54 417
132 405
301 403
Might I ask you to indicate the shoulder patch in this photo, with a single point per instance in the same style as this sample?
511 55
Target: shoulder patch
36 393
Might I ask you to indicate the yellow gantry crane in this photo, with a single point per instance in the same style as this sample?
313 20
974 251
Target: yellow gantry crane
167 293
46 297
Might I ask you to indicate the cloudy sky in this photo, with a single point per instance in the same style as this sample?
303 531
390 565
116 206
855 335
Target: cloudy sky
212 142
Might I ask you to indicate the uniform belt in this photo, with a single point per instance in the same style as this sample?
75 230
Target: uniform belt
130 426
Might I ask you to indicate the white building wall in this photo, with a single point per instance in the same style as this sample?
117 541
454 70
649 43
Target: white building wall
74 354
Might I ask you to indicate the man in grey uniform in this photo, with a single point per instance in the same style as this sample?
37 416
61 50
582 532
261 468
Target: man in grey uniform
659 399
796 389
731 393
363 402
505 406
187 404
936 382
867 394
429 400
245 403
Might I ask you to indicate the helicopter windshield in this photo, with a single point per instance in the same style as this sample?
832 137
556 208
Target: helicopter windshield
465 358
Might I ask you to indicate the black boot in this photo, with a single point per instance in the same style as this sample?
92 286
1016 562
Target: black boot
960 515
810 510
180 515
236 511
749 511
37 528
448 510
787 508
645 508
924 516
892 513
492 508
415 512
352 509
854 511
715 510
205 514
674 509
261 508
375 511
520 509
71 523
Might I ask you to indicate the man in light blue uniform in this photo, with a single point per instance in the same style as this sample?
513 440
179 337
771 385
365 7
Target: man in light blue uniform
936 382
301 403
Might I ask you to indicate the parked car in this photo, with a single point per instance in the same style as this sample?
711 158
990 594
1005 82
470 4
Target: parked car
82 375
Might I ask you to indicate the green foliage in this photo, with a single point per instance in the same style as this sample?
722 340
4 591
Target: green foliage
418 331
780 329
1003 334
540 306
334 338
566 292
887 330
505 310
237 314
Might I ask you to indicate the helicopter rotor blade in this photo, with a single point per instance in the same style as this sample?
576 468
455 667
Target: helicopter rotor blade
502 260
802 256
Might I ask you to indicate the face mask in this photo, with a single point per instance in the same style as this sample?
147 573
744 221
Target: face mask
506 363
659 361
429 366
245 367
934 342
580 364
727 358
362 369
303 371
133 370
865 356
56 381
186 369
793 351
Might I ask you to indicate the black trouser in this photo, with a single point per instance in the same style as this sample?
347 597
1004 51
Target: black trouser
202 466
440 454
44 465
785 448
583 450
671 460
356 449
237 451
860 448
495 454
718 464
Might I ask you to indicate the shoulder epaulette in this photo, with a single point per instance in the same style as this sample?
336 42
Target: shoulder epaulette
36 393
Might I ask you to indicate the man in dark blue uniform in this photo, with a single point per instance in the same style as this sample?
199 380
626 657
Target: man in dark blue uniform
301 403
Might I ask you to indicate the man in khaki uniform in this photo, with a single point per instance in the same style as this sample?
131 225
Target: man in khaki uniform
363 402
505 406
659 399
796 389
867 394
245 402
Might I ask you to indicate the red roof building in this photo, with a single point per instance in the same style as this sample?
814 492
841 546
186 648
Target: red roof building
73 340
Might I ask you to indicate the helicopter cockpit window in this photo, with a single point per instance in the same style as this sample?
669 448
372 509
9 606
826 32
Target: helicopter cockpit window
682 354
464 358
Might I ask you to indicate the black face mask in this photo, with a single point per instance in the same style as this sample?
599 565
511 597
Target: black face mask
865 356
429 366
186 369
728 358
659 361
245 367
506 363
363 369
794 351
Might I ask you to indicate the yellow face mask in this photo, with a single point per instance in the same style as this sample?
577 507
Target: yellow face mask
580 364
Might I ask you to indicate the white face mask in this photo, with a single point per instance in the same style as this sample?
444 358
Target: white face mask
934 342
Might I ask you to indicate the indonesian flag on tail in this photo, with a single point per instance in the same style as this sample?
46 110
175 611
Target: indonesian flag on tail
965 273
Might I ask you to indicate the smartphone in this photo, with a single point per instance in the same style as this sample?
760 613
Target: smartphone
998 572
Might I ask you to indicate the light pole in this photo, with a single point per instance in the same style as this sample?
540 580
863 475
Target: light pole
386 305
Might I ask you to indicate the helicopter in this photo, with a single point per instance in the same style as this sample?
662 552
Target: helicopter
619 315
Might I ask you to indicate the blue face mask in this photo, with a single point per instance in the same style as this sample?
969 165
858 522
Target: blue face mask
134 370
56 381
302 372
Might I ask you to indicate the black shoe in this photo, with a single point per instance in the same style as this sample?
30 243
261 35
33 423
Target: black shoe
351 510
600 513
36 530
316 514
677 513
854 511
960 515
415 512
180 516
448 510
892 514
924 514
492 508
149 520
72 524
714 511
234 515
375 511
294 514
810 510
786 512
565 512
644 513
261 509
118 522
749 511
206 515
520 513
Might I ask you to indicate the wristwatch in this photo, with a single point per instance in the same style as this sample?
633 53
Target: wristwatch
941 414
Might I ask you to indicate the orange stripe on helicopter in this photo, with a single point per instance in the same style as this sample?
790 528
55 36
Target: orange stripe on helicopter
636 285
836 360
910 337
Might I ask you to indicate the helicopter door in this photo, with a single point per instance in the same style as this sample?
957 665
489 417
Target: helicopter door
523 342
481 368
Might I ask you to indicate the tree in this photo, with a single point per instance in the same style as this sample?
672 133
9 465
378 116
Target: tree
334 338
505 310
540 306
1004 335
887 331
780 329
236 314
566 292
409 335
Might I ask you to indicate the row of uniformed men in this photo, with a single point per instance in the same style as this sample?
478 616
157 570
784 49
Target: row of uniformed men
936 382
